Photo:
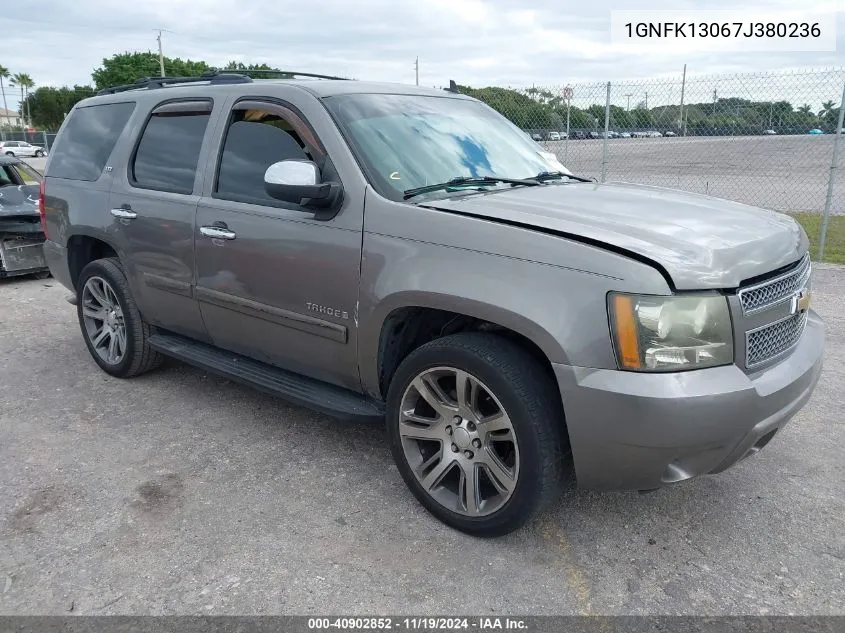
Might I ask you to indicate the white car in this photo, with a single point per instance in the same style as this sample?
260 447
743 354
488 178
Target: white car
21 148
554 136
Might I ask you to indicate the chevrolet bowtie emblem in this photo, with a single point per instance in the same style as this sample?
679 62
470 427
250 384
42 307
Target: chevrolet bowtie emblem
800 302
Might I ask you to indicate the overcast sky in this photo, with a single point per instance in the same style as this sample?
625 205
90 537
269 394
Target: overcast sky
476 42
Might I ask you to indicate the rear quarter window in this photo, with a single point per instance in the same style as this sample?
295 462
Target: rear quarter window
83 148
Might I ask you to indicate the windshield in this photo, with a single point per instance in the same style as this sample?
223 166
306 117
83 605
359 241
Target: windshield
410 141
27 174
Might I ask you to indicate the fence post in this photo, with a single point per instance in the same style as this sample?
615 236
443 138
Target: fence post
566 142
44 136
833 164
606 128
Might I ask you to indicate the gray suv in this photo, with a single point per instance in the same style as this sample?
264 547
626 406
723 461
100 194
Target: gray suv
394 253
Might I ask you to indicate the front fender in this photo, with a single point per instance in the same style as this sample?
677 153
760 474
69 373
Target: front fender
562 311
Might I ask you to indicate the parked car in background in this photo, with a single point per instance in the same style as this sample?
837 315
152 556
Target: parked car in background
578 135
21 148
554 136
769 132
639 134
21 232
670 133
612 134
815 130
624 135
537 137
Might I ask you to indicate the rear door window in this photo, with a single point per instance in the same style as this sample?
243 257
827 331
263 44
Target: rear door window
169 148
84 146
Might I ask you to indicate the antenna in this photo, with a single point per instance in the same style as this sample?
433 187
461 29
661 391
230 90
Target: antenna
417 69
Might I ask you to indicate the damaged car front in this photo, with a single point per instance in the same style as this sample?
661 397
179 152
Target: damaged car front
21 233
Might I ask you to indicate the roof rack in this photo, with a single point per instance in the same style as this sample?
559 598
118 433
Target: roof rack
151 83
292 73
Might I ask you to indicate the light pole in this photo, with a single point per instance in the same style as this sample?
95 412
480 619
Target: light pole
629 95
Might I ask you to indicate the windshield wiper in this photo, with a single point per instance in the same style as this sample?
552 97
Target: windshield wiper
463 181
544 176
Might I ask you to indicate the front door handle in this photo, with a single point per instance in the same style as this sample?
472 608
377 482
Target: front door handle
218 232
125 212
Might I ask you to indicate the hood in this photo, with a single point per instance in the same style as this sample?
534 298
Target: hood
700 241
18 200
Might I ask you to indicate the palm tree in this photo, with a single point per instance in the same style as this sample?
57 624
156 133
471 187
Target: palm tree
4 74
805 109
827 106
24 82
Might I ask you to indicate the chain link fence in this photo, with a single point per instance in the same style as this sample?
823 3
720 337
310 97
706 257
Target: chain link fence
761 139
767 139
43 139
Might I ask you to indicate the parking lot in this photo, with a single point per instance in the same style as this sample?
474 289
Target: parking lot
785 173
179 492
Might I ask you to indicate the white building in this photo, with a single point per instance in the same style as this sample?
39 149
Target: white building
10 118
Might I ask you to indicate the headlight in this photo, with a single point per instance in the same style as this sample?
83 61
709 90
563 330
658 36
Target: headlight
674 333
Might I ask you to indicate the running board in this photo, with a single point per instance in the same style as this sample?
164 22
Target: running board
300 390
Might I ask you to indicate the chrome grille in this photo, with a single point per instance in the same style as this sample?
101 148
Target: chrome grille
772 291
772 340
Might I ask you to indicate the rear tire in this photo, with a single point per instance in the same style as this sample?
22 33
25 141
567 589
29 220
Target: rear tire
504 438
114 332
10 153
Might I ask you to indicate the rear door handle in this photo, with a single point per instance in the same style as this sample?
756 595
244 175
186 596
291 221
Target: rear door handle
125 212
218 232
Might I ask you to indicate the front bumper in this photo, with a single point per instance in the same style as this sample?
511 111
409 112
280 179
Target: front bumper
642 431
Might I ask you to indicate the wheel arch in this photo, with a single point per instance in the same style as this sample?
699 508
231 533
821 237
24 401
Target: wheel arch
411 319
84 248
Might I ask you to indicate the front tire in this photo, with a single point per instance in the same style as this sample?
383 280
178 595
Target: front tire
476 429
39 154
10 153
114 332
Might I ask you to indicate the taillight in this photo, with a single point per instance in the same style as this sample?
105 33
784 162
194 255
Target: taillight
42 205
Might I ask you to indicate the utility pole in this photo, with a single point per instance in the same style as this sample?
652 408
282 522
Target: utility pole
629 95
160 54
646 100
417 69
681 118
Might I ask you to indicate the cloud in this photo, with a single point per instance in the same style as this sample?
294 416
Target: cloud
475 42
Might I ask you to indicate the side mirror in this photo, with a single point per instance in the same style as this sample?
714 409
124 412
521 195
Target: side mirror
298 182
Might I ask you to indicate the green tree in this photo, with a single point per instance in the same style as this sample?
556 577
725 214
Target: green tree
127 68
49 105
250 70
831 117
4 74
827 106
24 82
519 107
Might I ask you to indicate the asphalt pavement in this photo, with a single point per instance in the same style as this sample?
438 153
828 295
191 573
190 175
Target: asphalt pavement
182 493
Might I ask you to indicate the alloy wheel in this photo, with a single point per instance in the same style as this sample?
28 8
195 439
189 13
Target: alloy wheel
459 441
103 320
